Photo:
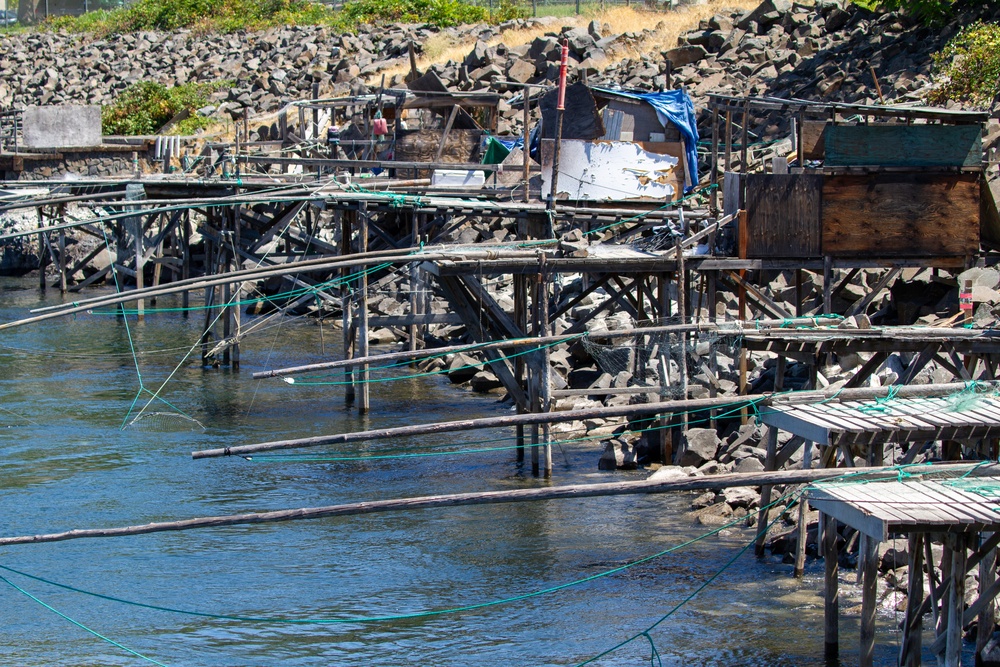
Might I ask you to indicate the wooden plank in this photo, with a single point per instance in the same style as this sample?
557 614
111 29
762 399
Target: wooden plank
903 145
786 419
813 139
868 524
783 215
898 215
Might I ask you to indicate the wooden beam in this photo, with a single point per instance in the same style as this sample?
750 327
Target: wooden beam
574 491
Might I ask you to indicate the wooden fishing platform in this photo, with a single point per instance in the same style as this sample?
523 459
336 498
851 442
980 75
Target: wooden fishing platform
962 514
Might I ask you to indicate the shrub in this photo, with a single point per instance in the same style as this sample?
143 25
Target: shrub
970 65
146 106
443 13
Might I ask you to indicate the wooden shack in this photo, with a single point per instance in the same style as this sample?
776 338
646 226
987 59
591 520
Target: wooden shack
863 182
618 146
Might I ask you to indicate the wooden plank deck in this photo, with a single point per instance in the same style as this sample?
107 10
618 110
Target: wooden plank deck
880 508
862 422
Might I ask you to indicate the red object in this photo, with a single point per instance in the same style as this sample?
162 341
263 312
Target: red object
380 126
561 106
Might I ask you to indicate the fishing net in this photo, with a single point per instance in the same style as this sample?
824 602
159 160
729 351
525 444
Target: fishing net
161 422
655 359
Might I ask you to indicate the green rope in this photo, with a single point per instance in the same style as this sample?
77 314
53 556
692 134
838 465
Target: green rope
78 624
390 618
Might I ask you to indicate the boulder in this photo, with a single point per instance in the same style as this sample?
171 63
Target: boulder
702 446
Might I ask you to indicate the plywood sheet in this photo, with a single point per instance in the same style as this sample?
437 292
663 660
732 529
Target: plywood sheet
783 215
904 145
609 171
900 215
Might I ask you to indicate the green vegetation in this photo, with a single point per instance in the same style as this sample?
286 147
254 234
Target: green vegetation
145 107
234 15
970 64
928 11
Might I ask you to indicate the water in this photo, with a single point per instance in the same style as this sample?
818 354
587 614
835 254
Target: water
67 387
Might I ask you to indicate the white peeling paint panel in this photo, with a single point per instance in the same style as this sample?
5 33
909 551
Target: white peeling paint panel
609 170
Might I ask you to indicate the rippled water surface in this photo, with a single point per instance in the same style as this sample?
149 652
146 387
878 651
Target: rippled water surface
69 385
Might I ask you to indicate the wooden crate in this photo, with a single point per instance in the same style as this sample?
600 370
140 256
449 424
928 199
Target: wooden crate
783 215
900 215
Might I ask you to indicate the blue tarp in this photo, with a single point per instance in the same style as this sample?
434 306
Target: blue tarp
674 106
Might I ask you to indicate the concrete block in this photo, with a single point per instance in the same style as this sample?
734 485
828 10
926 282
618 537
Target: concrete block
62 126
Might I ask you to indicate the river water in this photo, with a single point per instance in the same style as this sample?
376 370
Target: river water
69 385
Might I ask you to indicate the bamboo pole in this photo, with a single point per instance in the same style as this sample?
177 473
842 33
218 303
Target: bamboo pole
694 405
648 486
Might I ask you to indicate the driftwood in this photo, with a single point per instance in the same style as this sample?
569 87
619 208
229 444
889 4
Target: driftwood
648 486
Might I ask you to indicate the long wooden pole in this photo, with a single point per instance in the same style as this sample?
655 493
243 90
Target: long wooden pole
648 486
666 407
737 328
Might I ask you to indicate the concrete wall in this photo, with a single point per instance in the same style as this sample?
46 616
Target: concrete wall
62 126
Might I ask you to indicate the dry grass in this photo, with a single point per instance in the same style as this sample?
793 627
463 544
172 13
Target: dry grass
669 26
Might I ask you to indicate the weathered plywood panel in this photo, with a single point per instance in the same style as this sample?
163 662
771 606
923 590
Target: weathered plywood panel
783 215
901 215
733 195
904 145
813 134
609 171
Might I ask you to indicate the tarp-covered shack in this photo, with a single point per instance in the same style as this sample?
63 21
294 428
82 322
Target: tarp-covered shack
620 145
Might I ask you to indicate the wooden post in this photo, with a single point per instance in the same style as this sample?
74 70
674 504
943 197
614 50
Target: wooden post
745 137
714 178
727 161
41 249
235 310
414 271
545 370
765 491
346 229
803 535
62 261
909 652
869 589
956 605
363 400
520 368
831 601
827 285
987 617
742 294
185 258
526 137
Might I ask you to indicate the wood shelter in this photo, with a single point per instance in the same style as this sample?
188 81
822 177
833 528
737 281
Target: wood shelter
960 513
869 181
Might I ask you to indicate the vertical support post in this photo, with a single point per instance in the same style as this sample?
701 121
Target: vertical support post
987 617
236 239
363 400
803 535
41 249
727 161
560 112
827 285
909 651
414 274
62 261
185 258
831 598
745 137
139 264
765 491
545 366
869 590
520 369
526 148
714 179
346 230
742 295
682 358
956 604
